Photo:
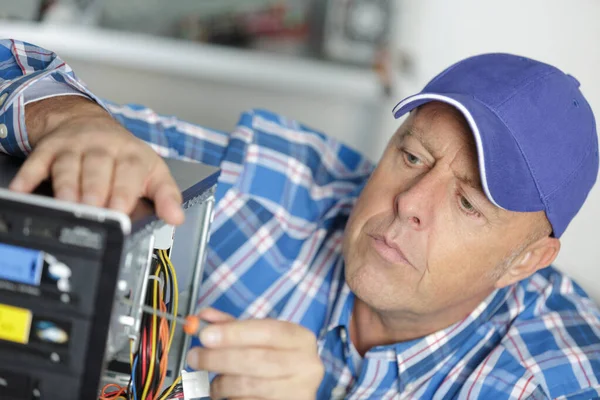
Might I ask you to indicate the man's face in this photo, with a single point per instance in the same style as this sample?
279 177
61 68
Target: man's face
422 236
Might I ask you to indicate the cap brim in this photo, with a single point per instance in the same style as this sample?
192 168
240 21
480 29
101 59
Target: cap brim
505 176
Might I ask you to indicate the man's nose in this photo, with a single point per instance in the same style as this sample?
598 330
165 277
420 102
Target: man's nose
415 203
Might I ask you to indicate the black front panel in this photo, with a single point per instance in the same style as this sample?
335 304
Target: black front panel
57 280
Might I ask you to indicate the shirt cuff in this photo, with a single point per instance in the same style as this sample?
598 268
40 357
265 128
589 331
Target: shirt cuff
47 88
16 94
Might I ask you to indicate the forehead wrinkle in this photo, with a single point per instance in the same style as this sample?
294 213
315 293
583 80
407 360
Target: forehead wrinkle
421 124
469 180
465 168
419 134
466 164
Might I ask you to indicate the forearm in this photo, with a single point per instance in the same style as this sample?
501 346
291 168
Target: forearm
30 79
44 116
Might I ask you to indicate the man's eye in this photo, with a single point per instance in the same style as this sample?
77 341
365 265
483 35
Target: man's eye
412 159
465 204
467 207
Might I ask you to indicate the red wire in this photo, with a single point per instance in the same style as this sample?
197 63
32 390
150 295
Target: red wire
151 392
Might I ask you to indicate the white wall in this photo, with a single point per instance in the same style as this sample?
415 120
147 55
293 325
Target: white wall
212 85
437 33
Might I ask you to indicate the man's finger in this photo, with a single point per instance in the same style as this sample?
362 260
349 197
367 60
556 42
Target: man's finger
128 183
96 175
214 316
34 170
258 333
254 362
242 386
65 176
163 190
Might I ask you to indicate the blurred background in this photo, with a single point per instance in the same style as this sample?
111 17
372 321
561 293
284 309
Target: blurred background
339 66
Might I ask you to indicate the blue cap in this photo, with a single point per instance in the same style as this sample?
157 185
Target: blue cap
535 133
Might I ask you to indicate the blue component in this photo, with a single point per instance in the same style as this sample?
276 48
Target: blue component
133 379
47 331
21 265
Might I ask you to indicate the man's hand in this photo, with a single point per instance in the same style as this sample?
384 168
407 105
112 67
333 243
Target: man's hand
258 359
92 159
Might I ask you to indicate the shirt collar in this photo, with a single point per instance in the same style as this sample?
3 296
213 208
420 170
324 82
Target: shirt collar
342 307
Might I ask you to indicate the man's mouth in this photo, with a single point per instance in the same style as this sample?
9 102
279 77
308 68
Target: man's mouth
388 250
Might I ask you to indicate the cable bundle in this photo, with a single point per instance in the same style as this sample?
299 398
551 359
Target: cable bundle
175 391
150 361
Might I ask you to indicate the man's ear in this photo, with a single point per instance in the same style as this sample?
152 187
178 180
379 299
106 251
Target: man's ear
537 255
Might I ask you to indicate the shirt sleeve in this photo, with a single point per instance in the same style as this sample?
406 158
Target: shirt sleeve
29 73
46 88
170 136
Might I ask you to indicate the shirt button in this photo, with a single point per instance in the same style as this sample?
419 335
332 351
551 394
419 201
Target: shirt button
2 98
3 131
338 393
343 335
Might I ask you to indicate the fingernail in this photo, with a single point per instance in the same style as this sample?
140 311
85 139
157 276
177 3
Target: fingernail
210 335
179 216
90 199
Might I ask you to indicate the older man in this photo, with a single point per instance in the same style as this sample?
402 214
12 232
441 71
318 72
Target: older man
425 277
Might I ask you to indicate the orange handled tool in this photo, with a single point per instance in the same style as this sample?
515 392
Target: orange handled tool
191 323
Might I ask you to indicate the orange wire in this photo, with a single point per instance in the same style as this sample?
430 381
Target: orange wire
112 396
164 338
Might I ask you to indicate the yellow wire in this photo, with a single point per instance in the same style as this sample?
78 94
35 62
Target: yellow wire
168 392
131 350
153 353
131 358
166 263
163 268
165 258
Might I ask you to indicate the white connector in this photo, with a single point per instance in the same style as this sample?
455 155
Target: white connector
196 385
163 237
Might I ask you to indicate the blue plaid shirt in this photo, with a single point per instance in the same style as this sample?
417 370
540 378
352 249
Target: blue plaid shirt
283 200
